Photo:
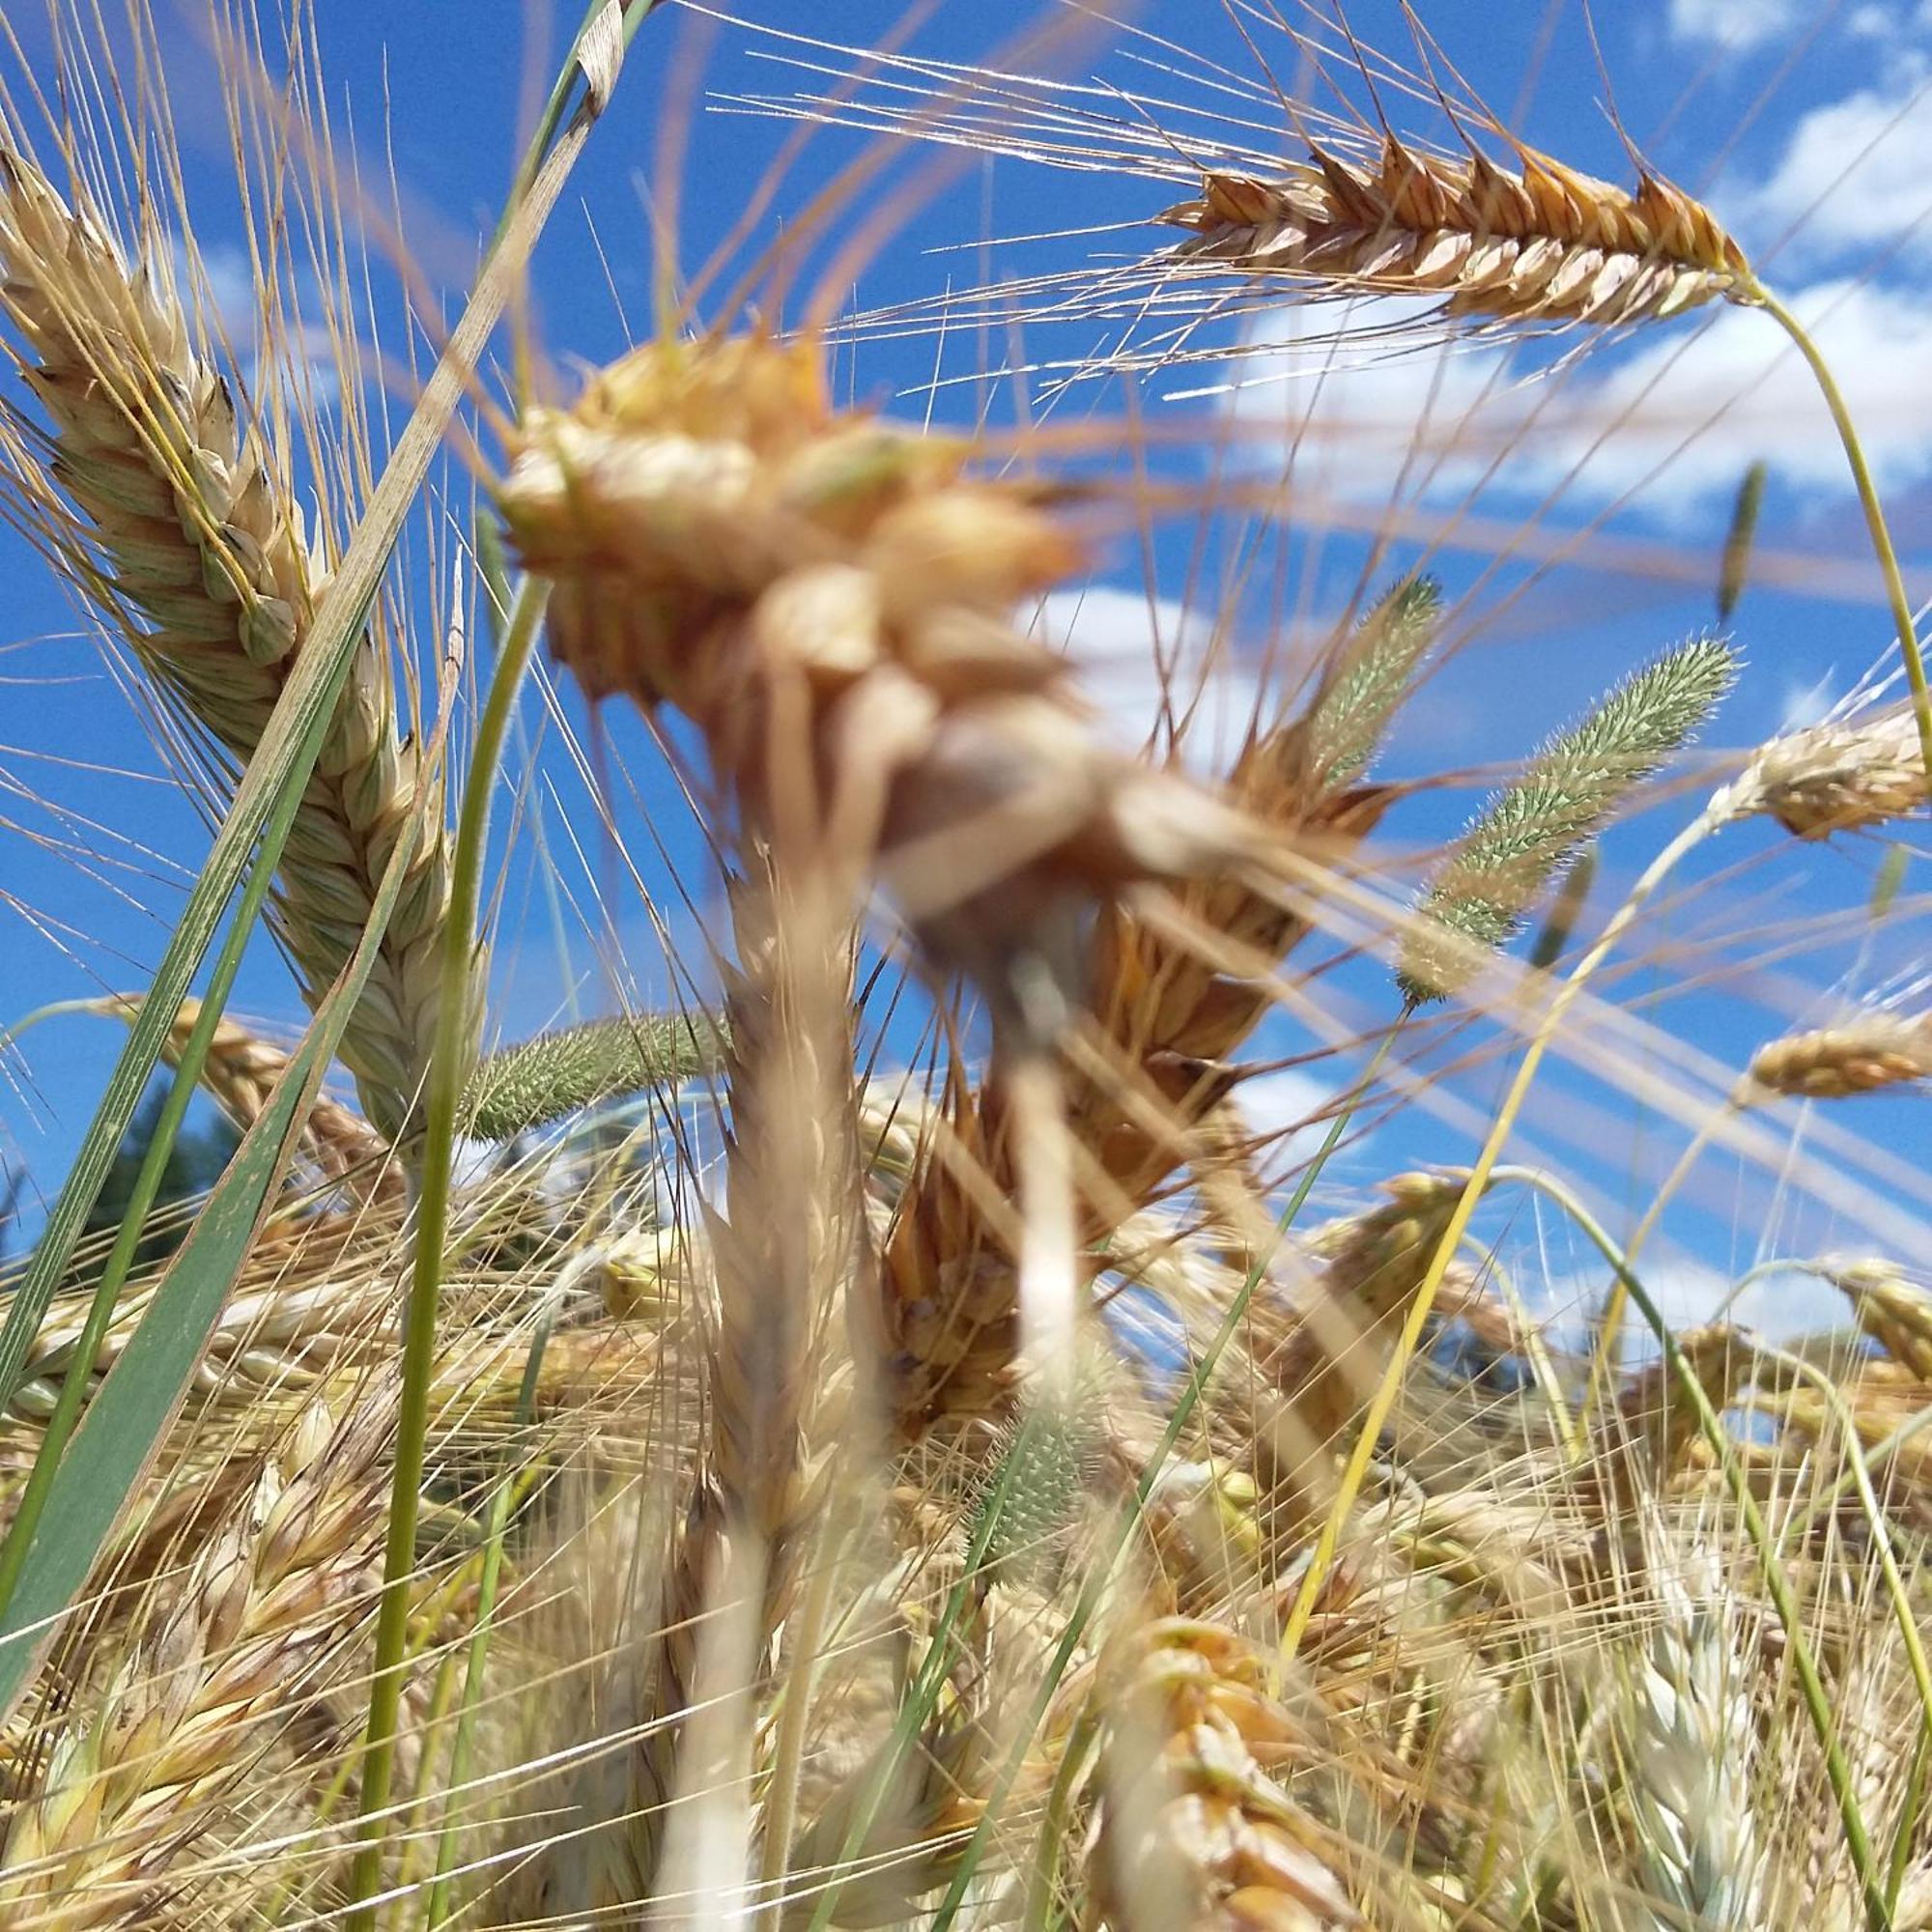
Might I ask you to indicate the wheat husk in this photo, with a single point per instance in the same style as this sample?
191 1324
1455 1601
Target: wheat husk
241 1070
1195 1830
1544 244
191 541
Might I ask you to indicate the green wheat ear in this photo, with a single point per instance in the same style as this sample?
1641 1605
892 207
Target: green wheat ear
543 1079
1368 679
1031 1487
1531 830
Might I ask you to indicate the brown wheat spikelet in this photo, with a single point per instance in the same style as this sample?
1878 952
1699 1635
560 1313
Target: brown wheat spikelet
225 1662
1865 1054
240 1069
828 598
1166 1016
1546 243
1841 776
1195 1832
191 541
1895 1312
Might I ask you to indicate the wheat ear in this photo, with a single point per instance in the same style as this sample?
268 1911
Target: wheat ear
1194 1832
1866 1055
1689 1743
1543 243
241 1070
225 1665
1833 777
1169 1014
191 541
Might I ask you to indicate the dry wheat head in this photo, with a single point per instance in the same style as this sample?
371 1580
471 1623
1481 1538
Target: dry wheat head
1865 1054
1195 1831
1546 243
1833 777
191 541
227 1660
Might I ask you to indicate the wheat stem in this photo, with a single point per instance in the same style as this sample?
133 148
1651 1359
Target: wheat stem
1868 499
447 1074
508 1492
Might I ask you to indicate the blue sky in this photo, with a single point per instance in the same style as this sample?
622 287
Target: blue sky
1807 128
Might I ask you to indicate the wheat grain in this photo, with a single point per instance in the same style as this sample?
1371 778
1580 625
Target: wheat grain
1547 243
1690 1747
1866 1055
1895 1312
240 1069
202 568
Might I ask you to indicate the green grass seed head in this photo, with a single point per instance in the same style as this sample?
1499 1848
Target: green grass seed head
1532 829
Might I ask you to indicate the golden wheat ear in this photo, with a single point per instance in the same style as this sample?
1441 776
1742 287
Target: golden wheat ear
1546 243
171 516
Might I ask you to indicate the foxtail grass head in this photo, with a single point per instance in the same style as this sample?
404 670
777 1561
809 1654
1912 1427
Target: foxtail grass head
1529 832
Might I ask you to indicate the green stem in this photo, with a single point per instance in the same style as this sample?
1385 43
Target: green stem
1710 1425
508 1489
446 1075
1881 538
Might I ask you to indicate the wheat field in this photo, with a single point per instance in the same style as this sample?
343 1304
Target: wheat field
954 1056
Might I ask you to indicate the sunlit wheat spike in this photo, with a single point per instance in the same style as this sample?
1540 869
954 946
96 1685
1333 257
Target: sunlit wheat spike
1690 1745
723 540
189 542
1841 776
1546 243
1895 1311
228 1658
1479 894
541 1080
1194 1832
1864 1055
240 1069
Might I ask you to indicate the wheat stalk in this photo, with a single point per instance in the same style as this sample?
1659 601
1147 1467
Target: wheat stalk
225 1664
1865 1054
202 568
1546 243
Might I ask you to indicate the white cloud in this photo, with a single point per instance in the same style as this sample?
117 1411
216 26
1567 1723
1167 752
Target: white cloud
1673 415
1735 24
1776 1307
1122 639
1856 173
